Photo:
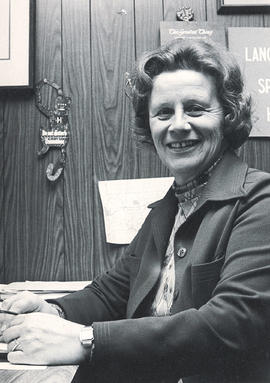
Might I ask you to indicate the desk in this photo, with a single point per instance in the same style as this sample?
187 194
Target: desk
52 374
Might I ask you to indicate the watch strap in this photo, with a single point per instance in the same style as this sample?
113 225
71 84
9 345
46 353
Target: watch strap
87 340
59 310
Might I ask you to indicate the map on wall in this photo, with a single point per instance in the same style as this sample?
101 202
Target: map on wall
251 46
170 30
4 30
125 205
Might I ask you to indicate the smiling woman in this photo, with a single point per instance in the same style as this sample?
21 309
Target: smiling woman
219 68
190 298
186 122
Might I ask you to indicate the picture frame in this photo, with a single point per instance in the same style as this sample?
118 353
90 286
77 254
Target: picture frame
242 6
17 37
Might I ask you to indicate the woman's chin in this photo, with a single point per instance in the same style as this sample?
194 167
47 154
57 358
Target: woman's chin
186 171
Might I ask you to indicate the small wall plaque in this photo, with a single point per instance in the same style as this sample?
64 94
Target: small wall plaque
170 30
56 135
185 14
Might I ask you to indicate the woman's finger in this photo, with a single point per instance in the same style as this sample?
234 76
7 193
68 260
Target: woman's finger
15 320
8 320
16 357
12 333
22 302
7 302
14 345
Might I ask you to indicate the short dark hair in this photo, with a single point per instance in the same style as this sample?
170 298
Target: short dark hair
202 56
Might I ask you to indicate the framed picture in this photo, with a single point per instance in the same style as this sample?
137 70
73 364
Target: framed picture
243 6
17 43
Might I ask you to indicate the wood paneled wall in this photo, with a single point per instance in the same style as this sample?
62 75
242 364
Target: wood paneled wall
55 231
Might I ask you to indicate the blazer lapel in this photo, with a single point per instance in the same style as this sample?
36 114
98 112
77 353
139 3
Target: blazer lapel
163 220
161 226
226 182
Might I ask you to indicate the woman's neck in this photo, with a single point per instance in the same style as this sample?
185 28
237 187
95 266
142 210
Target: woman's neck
196 181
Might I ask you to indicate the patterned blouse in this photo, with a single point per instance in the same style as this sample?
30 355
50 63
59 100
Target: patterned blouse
187 196
165 291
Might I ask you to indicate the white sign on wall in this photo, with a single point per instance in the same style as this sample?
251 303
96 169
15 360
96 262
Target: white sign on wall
203 30
251 47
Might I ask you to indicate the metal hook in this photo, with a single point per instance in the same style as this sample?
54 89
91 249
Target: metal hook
51 174
54 172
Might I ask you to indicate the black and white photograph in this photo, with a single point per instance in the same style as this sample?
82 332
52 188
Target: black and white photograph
134 191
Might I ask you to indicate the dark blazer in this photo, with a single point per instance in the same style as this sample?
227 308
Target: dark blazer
219 327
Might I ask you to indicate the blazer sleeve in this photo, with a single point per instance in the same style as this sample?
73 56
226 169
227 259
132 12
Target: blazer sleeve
235 321
105 299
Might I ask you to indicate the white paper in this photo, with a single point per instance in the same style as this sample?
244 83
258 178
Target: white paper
125 205
48 286
45 289
8 366
3 347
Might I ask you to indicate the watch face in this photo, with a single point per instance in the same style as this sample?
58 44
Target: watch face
87 336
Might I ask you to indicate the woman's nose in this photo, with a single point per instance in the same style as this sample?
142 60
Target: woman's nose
179 122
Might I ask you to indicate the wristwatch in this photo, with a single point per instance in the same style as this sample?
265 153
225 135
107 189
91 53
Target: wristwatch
87 337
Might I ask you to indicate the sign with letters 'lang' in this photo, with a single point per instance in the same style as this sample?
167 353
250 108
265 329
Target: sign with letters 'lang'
251 46
170 30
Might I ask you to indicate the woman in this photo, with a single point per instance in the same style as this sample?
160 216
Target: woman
190 298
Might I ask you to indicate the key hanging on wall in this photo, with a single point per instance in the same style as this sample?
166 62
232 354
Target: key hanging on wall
57 133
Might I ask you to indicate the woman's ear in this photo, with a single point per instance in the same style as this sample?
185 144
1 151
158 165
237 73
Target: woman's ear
229 121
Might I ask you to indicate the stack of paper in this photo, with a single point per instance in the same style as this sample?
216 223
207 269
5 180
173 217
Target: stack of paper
3 348
48 290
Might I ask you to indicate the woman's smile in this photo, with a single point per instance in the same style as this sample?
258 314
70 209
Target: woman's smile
178 146
186 122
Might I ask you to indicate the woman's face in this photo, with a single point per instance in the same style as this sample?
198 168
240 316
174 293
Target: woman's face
186 120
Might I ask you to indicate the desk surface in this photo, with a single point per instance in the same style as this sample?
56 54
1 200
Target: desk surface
52 374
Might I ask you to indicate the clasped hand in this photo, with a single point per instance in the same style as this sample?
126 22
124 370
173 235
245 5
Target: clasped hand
37 335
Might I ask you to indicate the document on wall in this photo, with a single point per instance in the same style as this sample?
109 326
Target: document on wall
251 47
125 205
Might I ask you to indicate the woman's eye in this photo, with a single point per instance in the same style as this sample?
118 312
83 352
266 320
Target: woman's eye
194 110
164 113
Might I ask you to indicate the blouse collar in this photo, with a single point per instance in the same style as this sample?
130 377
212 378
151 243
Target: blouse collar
191 190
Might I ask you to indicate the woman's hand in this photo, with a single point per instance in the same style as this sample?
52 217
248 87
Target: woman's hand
26 302
44 339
